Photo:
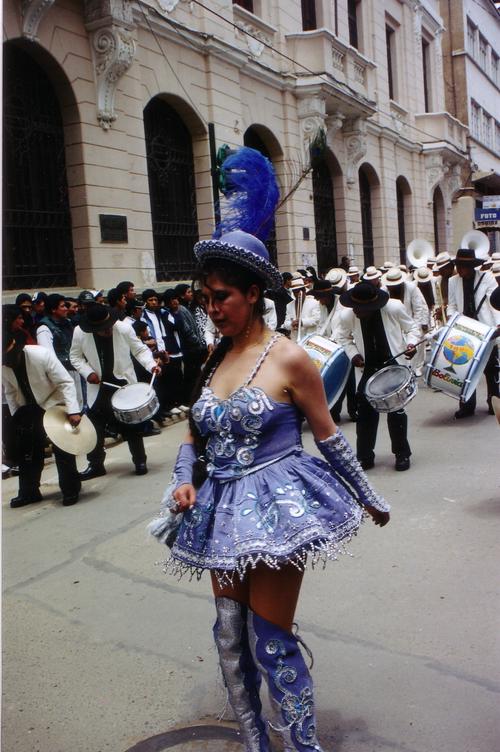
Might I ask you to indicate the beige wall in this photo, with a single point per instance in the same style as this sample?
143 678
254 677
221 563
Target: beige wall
222 78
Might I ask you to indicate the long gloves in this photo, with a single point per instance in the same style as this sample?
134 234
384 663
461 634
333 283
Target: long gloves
341 458
183 470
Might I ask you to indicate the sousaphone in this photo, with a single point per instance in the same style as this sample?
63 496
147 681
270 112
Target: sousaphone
478 242
419 252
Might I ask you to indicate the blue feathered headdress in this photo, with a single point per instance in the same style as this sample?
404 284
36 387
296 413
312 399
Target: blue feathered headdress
251 191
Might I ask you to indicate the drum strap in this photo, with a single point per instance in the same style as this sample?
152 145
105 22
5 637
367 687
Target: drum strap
478 308
324 327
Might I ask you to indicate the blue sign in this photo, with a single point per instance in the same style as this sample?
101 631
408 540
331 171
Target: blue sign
487 215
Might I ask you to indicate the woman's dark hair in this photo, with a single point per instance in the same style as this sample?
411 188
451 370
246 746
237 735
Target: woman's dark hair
10 312
237 276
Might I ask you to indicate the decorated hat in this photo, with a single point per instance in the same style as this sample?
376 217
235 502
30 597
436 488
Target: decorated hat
467 257
98 318
252 194
353 270
495 269
442 259
366 296
337 277
394 277
423 274
298 282
86 297
387 265
371 273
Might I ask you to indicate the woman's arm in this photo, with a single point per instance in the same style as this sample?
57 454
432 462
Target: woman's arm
307 392
306 389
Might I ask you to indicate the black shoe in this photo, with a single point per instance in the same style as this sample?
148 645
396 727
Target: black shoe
141 468
92 471
22 501
367 464
464 412
68 501
152 432
353 417
402 463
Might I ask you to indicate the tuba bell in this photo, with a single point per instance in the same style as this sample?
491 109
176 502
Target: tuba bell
478 242
418 252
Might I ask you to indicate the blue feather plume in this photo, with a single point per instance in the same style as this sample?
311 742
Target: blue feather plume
251 192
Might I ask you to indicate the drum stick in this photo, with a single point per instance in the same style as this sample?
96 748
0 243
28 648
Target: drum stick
299 329
108 383
151 382
427 337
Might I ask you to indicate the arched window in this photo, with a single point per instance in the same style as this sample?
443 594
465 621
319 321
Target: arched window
324 217
37 240
403 194
366 217
171 189
254 141
439 221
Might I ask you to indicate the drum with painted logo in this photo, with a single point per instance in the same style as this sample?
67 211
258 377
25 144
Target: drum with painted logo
332 362
459 356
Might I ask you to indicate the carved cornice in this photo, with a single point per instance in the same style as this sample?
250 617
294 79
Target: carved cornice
32 13
110 27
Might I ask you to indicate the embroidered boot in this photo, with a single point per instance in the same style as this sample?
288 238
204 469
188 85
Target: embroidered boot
277 655
240 673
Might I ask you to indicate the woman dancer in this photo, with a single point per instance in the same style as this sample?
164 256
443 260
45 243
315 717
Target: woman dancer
265 506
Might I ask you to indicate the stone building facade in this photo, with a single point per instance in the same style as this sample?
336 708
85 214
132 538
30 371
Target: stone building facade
471 53
115 112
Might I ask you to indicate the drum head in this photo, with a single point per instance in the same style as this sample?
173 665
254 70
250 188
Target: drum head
130 396
387 381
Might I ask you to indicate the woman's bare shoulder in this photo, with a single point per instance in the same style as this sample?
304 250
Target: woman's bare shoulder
291 355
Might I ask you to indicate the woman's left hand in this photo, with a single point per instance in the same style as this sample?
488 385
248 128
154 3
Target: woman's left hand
378 517
185 497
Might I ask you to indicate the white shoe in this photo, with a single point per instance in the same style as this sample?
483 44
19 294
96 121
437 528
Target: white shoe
418 372
184 408
175 411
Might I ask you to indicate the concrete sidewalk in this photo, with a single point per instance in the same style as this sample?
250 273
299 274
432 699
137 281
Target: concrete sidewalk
104 653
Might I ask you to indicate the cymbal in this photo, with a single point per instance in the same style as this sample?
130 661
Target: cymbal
495 403
79 440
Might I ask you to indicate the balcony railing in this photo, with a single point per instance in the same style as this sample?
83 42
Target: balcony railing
322 52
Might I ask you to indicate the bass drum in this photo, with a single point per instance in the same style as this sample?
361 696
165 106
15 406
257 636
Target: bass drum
391 388
332 362
459 356
134 403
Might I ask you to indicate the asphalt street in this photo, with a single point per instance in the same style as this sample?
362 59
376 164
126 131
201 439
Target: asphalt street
105 653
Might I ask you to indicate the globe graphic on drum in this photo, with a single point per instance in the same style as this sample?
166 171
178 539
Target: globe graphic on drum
458 350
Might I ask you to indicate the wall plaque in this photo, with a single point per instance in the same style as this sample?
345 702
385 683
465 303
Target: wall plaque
113 228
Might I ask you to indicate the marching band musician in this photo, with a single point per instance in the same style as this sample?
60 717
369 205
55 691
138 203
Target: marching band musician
302 313
34 380
101 352
443 270
396 284
469 292
376 329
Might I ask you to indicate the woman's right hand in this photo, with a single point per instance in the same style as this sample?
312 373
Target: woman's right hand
185 497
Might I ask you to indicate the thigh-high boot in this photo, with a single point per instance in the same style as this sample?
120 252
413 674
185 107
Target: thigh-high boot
241 676
277 655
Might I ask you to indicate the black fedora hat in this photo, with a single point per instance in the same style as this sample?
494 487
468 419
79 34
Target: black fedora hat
320 288
97 318
467 256
366 296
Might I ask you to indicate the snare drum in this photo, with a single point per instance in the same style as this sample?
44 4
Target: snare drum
332 362
134 403
391 388
459 356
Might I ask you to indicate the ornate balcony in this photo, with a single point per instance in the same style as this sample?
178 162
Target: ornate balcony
323 53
